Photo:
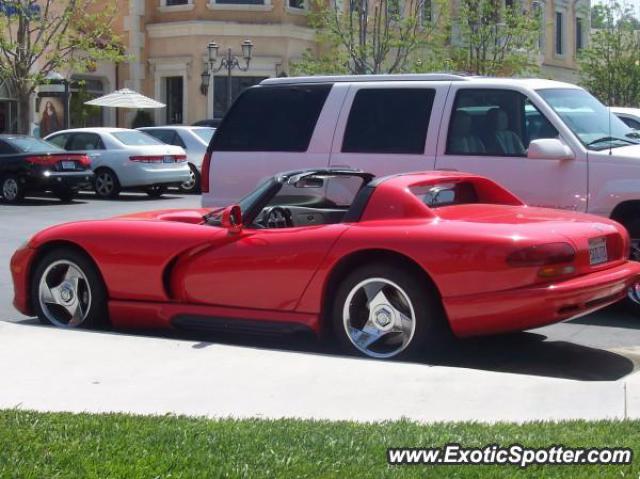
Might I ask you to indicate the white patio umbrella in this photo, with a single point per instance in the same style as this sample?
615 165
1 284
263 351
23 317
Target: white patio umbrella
125 98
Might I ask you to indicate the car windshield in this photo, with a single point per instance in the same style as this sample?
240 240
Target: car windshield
135 138
590 120
205 134
29 144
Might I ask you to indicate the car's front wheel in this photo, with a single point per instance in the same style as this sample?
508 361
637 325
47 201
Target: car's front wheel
67 290
385 311
11 189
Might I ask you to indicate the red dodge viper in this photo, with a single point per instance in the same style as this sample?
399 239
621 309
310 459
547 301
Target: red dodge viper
384 264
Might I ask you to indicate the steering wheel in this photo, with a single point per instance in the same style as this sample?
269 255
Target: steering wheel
277 217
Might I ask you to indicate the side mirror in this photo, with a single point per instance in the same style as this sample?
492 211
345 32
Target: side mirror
549 149
232 219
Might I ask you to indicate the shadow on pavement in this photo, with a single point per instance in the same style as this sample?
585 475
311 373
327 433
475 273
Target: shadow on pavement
533 354
614 316
130 197
520 353
45 201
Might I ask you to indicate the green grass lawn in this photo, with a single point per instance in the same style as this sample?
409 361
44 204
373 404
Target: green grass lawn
60 445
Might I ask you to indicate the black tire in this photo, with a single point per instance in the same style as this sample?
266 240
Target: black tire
11 189
156 191
106 184
632 301
65 194
97 314
194 188
431 331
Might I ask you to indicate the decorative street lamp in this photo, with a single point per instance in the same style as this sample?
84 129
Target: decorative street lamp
229 61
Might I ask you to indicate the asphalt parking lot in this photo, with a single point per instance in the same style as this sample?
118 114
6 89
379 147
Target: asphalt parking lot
601 347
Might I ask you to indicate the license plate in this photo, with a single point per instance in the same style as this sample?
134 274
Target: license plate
68 165
598 251
168 159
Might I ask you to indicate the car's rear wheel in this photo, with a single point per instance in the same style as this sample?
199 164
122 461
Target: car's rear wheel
193 184
156 191
11 189
385 311
106 184
67 291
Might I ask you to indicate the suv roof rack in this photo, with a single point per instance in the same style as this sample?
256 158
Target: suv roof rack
366 78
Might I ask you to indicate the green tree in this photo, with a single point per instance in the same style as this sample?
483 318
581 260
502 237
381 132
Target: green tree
371 36
598 15
610 66
495 39
38 37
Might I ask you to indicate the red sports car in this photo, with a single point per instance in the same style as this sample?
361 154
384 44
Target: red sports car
386 265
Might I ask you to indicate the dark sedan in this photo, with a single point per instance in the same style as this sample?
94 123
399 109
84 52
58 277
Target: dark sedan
28 164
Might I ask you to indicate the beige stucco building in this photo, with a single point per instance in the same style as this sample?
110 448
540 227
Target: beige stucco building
567 24
167 40
167 44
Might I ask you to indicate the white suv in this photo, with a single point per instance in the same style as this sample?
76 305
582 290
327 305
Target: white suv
551 143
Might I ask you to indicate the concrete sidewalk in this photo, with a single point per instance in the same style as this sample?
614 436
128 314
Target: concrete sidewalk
49 369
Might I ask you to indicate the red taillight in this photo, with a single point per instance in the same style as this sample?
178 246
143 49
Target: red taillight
204 176
85 161
542 255
43 160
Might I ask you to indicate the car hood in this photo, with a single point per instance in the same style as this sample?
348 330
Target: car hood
193 215
631 152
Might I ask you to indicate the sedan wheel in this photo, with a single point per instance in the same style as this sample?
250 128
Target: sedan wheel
12 191
106 184
193 184
384 311
67 291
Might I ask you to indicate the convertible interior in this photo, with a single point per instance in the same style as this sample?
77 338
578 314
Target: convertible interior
310 200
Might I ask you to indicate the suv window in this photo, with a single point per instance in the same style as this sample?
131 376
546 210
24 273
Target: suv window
85 142
388 120
278 118
495 123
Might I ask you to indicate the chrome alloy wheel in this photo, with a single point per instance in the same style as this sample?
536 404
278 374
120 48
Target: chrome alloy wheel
64 294
633 293
190 184
378 318
104 184
10 189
